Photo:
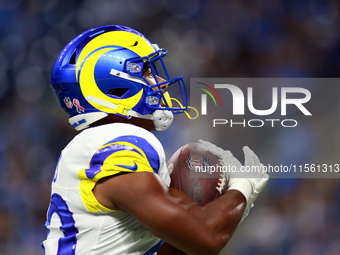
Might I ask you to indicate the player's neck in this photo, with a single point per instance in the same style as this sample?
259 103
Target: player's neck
143 123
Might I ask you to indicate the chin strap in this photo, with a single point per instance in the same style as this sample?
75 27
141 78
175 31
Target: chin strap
186 112
162 119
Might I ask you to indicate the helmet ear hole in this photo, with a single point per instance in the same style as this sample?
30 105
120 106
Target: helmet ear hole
118 92
72 60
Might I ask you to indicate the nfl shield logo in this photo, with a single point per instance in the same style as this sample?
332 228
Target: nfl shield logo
68 102
197 161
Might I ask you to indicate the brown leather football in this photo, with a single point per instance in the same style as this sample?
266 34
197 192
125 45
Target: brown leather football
197 172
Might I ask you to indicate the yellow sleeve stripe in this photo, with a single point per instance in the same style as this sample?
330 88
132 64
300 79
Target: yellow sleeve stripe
111 159
89 200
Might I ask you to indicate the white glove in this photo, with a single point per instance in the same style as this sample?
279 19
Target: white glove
249 183
257 178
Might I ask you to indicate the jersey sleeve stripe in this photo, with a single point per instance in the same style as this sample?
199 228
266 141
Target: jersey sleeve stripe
100 156
124 154
149 151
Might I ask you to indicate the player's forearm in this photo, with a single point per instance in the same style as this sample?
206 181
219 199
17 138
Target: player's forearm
174 216
215 224
225 215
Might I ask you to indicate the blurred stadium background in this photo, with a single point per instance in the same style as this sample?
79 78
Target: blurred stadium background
216 38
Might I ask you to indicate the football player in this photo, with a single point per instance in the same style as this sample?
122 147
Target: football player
110 191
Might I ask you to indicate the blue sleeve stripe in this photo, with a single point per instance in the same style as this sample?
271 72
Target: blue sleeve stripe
113 146
144 145
99 157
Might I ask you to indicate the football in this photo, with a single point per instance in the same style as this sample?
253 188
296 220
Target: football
196 172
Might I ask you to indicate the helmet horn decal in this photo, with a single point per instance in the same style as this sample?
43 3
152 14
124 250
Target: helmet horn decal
116 38
89 87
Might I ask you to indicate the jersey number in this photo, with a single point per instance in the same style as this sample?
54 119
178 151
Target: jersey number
67 244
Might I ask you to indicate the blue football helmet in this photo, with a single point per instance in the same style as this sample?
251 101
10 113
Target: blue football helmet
100 73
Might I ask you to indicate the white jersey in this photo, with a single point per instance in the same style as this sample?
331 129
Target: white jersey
77 223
